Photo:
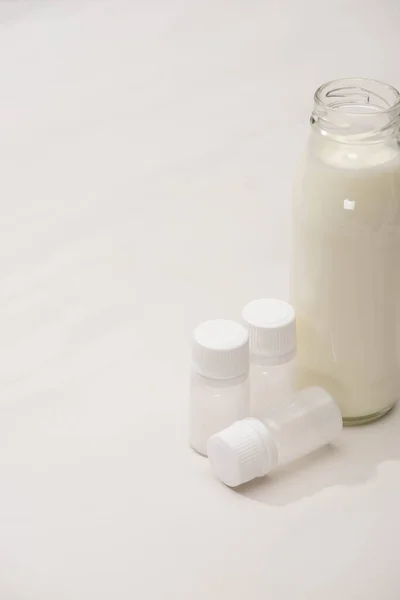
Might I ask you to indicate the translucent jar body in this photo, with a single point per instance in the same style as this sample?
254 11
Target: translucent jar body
270 384
214 405
308 421
345 283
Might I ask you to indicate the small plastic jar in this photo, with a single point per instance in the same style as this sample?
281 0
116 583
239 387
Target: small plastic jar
272 339
219 390
252 448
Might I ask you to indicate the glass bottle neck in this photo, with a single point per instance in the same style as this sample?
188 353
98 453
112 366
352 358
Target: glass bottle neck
357 111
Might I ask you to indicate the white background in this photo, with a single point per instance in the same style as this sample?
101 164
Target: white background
146 157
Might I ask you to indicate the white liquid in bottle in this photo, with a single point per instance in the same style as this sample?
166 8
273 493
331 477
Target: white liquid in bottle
345 275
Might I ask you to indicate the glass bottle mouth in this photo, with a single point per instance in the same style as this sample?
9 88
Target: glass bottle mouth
357 110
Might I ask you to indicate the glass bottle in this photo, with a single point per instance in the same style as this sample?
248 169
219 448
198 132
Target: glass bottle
345 284
252 448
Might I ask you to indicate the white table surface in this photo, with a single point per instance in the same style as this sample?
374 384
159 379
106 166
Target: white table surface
146 155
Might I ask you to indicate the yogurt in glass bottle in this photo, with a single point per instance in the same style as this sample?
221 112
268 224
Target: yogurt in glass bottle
345 283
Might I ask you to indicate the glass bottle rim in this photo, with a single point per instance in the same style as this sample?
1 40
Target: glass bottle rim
361 83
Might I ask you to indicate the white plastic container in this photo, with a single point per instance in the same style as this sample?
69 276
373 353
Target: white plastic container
252 448
219 393
345 284
272 343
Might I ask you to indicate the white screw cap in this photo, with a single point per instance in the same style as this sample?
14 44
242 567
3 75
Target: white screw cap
272 329
220 349
241 452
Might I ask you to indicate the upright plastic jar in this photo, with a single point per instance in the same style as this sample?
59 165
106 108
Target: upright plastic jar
272 348
219 388
345 284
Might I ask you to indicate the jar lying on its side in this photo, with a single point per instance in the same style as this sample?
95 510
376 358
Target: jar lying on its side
252 448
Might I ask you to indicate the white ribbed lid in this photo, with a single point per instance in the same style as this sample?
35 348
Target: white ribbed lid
220 349
272 329
242 452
